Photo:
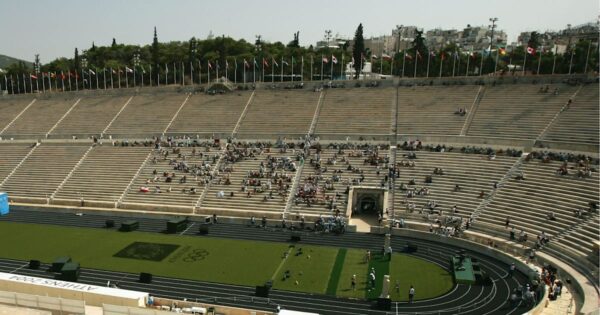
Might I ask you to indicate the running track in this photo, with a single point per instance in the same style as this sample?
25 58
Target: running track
462 299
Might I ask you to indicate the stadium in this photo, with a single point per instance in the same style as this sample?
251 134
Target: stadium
302 194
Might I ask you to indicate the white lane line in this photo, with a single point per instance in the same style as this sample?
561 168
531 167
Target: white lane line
189 227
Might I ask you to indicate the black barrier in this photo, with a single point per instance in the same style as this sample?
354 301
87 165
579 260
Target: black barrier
34 264
145 277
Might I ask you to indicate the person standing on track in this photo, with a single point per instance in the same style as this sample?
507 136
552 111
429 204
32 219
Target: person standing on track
353 283
411 294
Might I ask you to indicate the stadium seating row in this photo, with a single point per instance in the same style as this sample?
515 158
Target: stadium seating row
505 111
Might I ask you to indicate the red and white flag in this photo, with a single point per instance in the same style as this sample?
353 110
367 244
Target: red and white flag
386 57
265 63
531 50
246 64
33 76
419 55
209 65
333 59
325 60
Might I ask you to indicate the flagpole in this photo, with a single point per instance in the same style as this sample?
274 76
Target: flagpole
302 69
263 70
208 71
496 63
199 72
540 60
76 81
142 75
441 62
273 70
311 68
392 65
96 75
428 60
37 82
587 58
235 71
166 74
62 79
342 75
182 75
30 84
403 62
226 70
321 67
111 80
468 61
571 62
293 68
68 74
416 62
524 62
18 84
454 62
150 75
481 66
254 71
331 75
554 62
217 70
174 73
126 78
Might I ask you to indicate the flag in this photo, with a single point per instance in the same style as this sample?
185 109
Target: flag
285 63
325 60
432 53
226 64
275 63
209 65
113 71
53 75
265 63
246 64
352 59
408 56
333 59
374 56
128 69
33 76
443 55
531 50
92 71
502 51
255 63
386 56
419 55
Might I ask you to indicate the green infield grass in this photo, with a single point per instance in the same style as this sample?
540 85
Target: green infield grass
295 267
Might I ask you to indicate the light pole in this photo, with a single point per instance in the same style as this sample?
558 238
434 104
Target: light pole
84 64
136 63
493 27
399 30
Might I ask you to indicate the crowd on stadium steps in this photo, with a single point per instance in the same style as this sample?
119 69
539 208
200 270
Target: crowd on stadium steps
342 169
273 175
546 156
181 166
417 145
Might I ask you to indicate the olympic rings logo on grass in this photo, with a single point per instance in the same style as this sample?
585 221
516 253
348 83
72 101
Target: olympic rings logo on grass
195 255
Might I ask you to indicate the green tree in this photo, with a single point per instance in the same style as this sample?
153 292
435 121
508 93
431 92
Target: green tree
155 50
76 60
295 43
358 50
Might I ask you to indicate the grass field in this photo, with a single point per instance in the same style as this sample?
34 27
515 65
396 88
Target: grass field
313 269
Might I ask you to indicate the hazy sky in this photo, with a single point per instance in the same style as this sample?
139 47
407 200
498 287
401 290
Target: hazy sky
54 28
